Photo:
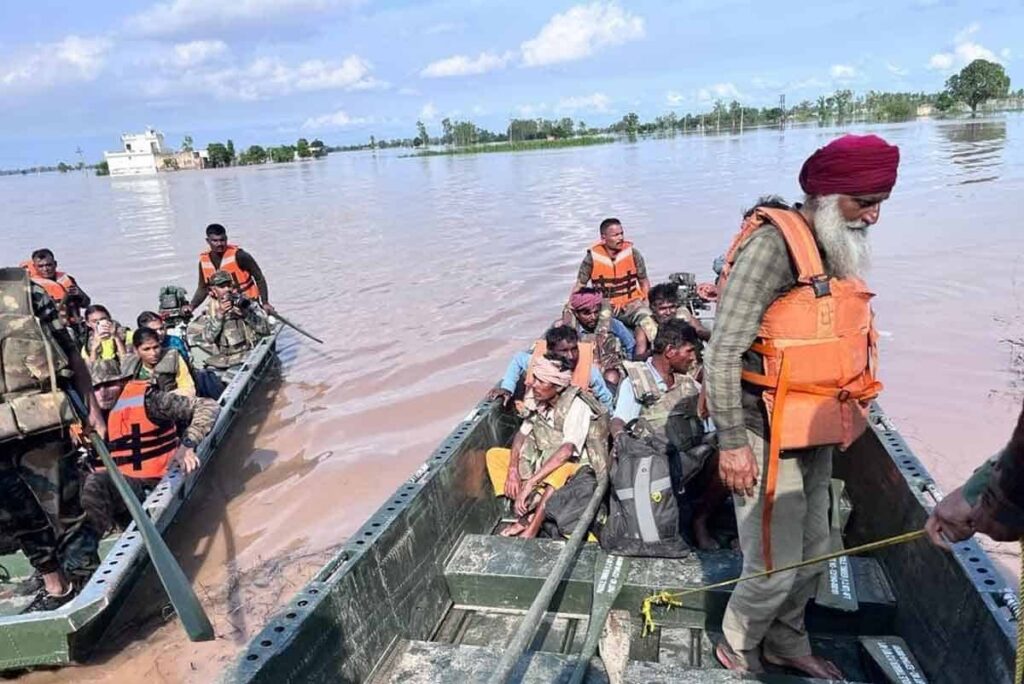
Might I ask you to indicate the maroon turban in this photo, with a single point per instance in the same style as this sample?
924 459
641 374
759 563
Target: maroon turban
851 165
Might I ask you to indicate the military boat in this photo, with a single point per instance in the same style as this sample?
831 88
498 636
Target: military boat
69 633
425 592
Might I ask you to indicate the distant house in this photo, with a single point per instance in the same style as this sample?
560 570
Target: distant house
146 153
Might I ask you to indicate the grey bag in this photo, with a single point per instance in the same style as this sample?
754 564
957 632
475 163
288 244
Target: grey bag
643 516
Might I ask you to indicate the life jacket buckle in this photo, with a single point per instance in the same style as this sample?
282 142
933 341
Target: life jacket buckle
821 287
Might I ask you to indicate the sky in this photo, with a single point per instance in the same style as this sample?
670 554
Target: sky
78 74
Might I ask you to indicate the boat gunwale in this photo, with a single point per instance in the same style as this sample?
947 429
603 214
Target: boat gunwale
127 557
279 632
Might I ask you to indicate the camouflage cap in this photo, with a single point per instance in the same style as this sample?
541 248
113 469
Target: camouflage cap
221 279
106 371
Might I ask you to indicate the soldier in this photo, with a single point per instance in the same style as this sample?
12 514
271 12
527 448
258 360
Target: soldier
661 391
564 430
39 484
142 424
664 303
618 270
62 288
230 328
593 322
233 260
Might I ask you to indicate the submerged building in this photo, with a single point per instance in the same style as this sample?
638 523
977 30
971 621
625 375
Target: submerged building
146 153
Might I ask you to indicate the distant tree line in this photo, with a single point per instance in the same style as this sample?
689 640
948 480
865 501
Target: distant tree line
979 82
223 154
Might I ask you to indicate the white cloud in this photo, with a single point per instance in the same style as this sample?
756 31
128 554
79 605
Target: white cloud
72 59
268 77
408 91
182 16
580 32
429 112
461 65
719 91
597 102
198 52
338 119
674 99
479 110
896 70
843 72
964 51
443 27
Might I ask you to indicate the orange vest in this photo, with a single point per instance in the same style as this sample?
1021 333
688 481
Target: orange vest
141 448
580 375
245 281
617 277
819 346
57 289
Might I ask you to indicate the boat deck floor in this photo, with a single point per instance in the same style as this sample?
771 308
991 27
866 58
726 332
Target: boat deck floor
493 579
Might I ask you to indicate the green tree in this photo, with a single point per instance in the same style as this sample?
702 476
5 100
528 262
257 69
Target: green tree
63 168
421 134
631 123
254 155
945 102
282 153
219 156
581 127
979 81
186 143
230 147
447 131
302 147
103 168
373 142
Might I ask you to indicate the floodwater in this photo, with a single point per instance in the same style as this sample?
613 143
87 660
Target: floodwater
424 275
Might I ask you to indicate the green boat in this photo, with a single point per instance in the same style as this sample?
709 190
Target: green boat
424 592
69 633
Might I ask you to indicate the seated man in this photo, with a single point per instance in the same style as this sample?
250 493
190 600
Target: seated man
560 342
593 322
143 425
231 326
152 361
664 301
104 337
156 323
62 288
660 391
565 429
619 272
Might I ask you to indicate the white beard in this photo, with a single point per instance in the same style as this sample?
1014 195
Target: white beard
845 243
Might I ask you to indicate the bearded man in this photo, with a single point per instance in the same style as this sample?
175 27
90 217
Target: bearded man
790 373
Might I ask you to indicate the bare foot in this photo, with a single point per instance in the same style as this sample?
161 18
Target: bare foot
705 542
812 665
728 659
533 528
513 529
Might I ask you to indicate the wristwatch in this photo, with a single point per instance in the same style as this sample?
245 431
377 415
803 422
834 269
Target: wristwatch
188 443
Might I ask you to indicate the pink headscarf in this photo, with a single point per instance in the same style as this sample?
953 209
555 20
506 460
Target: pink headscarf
584 300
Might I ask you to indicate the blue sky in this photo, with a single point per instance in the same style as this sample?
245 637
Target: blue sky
268 71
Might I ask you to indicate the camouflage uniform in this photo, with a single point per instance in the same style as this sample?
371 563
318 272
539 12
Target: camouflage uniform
100 497
228 339
39 476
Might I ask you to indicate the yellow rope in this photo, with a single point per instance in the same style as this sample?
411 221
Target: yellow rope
1019 676
666 598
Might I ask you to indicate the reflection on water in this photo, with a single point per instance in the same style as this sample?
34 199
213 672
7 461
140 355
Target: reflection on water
424 275
975 147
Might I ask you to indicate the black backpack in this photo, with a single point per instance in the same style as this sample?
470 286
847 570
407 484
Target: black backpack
643 516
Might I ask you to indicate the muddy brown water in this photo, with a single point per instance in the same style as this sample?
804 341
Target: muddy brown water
425 275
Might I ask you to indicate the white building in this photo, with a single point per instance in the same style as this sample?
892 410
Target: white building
142 153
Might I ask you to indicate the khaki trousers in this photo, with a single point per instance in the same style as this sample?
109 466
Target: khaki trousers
770 610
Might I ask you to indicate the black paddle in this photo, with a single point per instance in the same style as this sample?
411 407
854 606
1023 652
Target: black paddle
179 590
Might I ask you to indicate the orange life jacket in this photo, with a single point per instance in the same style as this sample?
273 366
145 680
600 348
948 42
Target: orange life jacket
819 347
616 277
243 278
140 447
580 375
56 288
